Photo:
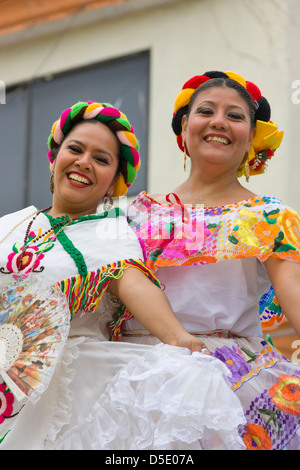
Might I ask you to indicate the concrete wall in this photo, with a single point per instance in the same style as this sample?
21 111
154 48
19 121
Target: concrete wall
258 39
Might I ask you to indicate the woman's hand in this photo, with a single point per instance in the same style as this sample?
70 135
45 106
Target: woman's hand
187 340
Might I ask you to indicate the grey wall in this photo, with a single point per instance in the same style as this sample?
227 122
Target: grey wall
30 110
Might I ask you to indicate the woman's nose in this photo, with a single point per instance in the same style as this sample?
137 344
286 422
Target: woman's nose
84 161
218 120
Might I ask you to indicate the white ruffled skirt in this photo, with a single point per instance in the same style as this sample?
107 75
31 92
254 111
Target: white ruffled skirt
130 396
125 396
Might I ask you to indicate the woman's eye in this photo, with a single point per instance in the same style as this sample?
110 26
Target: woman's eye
205 111
74 148
236 116
103 160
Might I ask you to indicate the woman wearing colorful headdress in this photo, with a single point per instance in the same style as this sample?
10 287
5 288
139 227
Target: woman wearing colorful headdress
62 262
229 260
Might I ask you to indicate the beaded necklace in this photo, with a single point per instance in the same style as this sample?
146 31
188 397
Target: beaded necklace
46 233
29 240
57 228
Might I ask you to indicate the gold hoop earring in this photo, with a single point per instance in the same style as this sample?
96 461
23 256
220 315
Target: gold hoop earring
52 183
247 168
184 155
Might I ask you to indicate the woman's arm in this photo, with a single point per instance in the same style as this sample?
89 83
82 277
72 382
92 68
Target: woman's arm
285 278
151 308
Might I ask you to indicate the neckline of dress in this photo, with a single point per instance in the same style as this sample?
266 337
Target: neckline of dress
111 213
238 203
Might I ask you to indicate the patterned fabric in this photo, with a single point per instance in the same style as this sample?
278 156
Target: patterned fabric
85 275
272 405
177 235
173 235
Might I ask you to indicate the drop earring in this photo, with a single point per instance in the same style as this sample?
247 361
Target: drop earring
107 202
184 155
247 168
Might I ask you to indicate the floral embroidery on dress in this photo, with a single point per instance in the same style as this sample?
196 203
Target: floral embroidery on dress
173 235
27 258
256 438
286 394
6 402
260 226
245 364
274 413
235 363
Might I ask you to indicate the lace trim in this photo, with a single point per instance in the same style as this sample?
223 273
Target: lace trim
140 410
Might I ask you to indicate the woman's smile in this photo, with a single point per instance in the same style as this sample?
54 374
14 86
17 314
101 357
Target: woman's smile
217 139
79 180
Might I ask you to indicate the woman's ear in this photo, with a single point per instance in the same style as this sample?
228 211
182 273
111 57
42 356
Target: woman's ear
183 126
251 137
111 189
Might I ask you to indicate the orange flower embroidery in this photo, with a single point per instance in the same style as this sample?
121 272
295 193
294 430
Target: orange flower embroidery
256 438
290 225
286 394
266 232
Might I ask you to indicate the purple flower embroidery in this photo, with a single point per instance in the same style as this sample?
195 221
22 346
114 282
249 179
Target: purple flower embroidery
214 211
235 363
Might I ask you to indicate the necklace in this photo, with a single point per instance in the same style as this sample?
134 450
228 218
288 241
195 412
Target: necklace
43 246
30 239
45 233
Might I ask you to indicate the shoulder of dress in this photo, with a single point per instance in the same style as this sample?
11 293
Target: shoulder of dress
257 204
25 211
144 197
17 217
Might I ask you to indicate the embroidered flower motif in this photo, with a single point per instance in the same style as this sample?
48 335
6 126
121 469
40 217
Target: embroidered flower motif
188 239
24 262
173 234
286 394
256 438
265 231
290 226
243 229
214 211
6 402
235 363
27 258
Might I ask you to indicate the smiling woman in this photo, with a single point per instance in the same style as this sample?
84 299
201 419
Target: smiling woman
229 260
58 373
217 129
83 172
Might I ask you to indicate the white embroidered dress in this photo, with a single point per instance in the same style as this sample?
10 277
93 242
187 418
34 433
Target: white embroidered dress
210 264
104 394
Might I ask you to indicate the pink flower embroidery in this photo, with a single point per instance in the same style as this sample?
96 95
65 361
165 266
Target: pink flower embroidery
6 402
24 262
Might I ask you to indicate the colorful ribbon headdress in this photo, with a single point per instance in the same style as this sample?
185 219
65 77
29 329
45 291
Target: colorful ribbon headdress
267 138
116 121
